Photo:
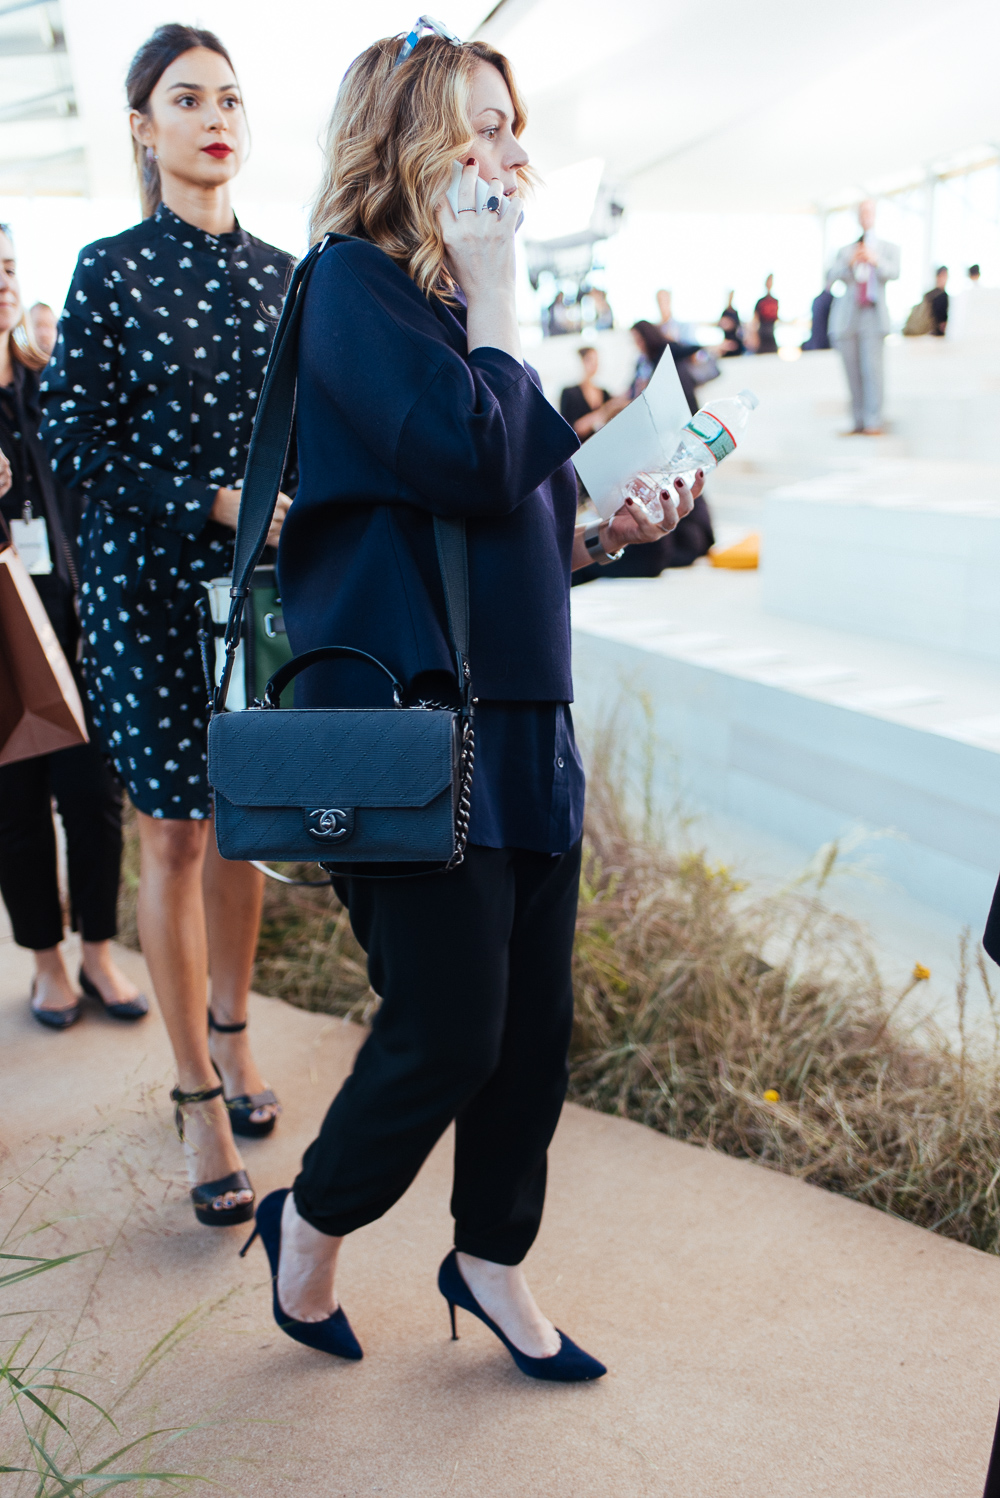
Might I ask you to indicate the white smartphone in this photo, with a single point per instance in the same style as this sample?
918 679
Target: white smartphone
483 191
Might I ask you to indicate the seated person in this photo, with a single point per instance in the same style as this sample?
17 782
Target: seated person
693 536
691 539
581 405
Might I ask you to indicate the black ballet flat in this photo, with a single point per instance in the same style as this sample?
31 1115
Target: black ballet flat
135 1008
208 1194
53 1019
240 1108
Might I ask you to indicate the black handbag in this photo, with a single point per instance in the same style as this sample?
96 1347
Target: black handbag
362 791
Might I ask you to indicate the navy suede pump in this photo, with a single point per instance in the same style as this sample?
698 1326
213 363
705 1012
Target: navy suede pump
334 1335
570 1365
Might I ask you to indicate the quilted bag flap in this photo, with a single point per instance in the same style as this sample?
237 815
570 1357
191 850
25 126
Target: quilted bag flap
378 757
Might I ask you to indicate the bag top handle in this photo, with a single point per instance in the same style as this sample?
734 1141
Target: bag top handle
279 680
266 459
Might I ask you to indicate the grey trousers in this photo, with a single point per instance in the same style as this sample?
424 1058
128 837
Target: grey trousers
861 351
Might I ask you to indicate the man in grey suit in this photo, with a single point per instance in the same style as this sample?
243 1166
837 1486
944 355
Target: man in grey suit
859 320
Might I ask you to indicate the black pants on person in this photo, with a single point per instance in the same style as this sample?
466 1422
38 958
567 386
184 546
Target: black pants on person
90 805
473 969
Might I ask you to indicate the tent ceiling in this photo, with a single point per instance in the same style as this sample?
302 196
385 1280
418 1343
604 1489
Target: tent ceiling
776 106
40 137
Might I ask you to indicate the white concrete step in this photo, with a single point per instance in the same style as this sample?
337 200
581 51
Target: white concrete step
806 733
906 550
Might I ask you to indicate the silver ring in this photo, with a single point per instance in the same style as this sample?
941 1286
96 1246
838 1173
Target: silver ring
493 204
467 210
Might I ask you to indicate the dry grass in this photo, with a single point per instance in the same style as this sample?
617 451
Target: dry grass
307 953
683 1025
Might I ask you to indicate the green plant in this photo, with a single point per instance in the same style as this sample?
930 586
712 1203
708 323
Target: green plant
57 1441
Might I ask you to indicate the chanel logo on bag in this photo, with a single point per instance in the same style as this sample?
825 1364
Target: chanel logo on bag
328 824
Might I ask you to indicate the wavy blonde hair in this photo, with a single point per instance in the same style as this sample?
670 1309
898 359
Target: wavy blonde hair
22 345
391 141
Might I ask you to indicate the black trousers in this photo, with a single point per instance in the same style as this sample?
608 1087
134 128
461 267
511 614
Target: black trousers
90 805
473 969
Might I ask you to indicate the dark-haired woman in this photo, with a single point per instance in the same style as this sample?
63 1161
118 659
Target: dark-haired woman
77 779
150 402
414 401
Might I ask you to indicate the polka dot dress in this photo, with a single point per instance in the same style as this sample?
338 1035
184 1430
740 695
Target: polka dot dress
150 401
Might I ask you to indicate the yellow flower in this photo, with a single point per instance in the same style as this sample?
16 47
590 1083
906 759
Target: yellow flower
771 1096
920 973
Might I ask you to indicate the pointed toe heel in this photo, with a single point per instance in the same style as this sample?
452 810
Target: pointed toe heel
334 1335
570 1365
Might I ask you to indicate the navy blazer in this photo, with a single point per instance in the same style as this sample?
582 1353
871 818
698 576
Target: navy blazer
397 422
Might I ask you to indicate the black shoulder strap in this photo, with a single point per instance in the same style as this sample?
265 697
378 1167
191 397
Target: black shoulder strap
266 463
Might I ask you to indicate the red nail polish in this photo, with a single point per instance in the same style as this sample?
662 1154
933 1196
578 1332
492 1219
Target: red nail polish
678 483
628 501
471 161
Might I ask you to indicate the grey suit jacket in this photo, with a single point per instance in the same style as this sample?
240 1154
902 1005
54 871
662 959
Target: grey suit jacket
845 310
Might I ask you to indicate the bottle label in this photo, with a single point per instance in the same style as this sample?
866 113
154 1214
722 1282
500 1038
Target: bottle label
709 429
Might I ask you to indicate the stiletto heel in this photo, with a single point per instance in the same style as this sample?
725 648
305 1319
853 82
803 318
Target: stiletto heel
570 1365
334 1335
208 1193
253 1235
241 1108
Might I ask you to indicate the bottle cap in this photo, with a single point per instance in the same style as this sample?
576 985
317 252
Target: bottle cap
749 399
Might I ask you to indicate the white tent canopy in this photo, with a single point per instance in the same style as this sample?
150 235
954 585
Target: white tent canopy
776 108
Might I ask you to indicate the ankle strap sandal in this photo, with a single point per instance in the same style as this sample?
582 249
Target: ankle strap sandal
242 1108
209 1197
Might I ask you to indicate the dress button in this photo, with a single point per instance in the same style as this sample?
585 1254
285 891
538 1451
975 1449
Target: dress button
560 762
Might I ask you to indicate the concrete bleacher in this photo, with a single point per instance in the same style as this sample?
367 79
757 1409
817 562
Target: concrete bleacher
850 690
903 550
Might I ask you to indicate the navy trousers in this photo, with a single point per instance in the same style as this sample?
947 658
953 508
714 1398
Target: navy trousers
473 971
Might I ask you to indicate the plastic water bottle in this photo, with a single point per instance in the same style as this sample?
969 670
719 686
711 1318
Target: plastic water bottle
711 435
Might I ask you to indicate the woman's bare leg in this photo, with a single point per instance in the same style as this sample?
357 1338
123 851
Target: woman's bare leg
174 944
306 1267
503 1293
99 964
233 894
53 989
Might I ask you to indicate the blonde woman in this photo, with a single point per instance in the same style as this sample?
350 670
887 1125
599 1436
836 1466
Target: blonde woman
414 401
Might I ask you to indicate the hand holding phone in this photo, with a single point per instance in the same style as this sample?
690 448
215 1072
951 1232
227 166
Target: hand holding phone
483 191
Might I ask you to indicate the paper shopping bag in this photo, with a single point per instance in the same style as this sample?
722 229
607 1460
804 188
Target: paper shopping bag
40 707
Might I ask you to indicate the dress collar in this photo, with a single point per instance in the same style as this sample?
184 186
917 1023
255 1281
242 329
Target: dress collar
191 238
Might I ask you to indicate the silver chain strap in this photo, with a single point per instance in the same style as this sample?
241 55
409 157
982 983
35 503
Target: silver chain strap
466 766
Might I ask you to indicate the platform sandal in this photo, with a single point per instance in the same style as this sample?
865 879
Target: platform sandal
241 1108
209 1194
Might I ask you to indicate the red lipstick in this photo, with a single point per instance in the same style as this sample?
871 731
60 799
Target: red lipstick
219 150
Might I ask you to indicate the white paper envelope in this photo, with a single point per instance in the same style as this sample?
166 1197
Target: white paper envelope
642 437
